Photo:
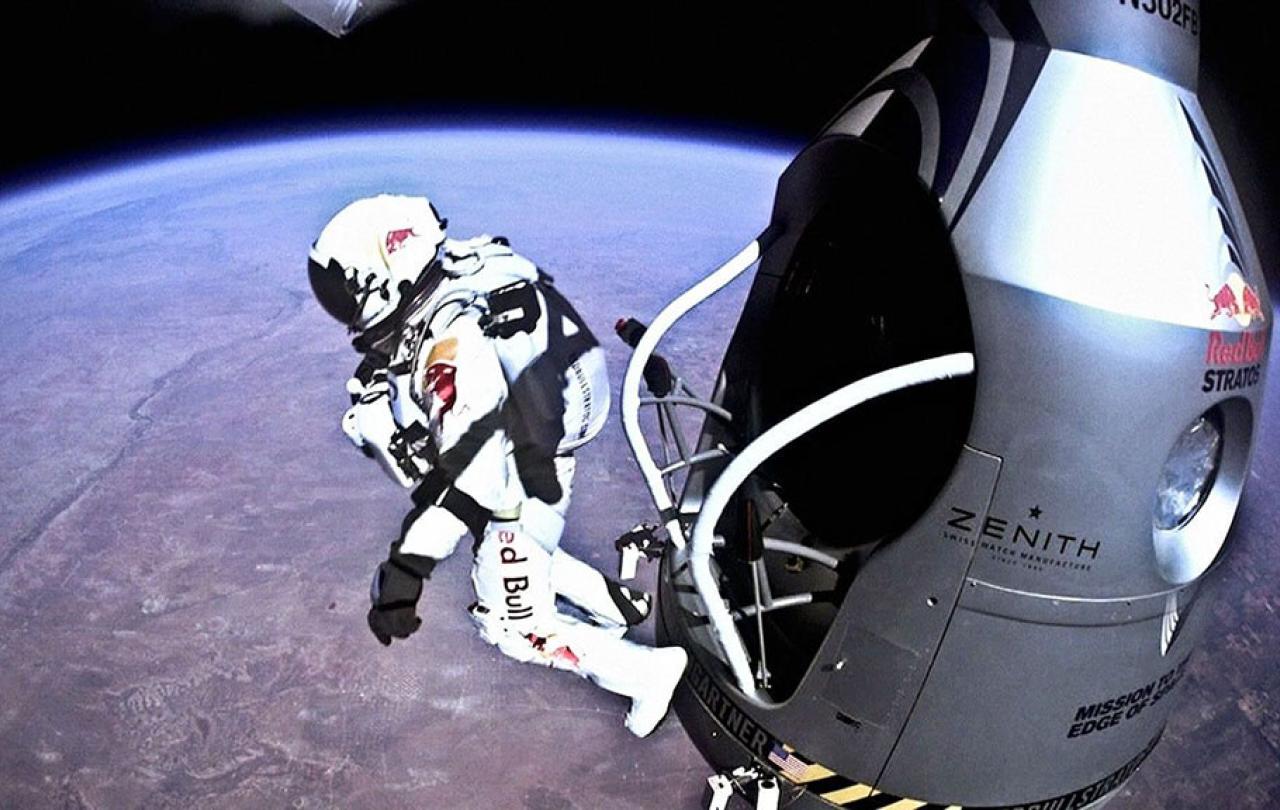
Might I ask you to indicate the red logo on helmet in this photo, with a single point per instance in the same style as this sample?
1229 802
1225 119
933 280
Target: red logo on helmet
1251 304
1236 299
1224 302
396 239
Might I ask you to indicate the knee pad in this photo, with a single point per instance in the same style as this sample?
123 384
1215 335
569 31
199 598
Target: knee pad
542 522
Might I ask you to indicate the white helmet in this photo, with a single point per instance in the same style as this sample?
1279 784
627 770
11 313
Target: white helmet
370 256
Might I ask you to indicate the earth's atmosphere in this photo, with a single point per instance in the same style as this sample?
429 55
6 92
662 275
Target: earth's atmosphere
187 539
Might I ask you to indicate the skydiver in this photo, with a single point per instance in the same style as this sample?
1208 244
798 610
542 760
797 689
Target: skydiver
477 384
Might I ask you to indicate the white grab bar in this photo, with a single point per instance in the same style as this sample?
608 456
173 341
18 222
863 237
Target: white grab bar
630 406
702 539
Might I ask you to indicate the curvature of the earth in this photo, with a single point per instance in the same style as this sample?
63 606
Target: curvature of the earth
186 539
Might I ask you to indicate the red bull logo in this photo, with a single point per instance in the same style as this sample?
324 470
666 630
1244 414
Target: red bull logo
1237 300
1251 304
1234 360
440 380
1238 350
1224 303
396 239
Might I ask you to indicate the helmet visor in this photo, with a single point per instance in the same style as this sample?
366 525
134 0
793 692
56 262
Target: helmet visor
329 284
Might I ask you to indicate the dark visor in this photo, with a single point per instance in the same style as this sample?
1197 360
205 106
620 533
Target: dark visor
329 284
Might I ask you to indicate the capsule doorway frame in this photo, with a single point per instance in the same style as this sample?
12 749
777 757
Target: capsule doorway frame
697 547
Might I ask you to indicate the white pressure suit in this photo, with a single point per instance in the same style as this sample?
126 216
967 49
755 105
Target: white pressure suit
476 388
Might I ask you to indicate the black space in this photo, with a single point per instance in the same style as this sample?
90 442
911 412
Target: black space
150 71
119 78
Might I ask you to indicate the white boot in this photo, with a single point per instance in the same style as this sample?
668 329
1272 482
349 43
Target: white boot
648 709
647 675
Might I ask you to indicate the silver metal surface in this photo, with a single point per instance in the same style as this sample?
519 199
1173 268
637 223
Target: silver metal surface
1021 642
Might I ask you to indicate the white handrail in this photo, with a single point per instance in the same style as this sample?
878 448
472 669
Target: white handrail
757 452
630 406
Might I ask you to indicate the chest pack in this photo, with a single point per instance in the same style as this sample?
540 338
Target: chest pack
557 385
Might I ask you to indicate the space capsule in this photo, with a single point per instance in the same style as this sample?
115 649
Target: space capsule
947 532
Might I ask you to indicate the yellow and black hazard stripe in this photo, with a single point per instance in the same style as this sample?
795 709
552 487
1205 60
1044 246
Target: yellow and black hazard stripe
842 792
865 797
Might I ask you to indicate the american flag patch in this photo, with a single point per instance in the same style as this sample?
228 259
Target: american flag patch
791 765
